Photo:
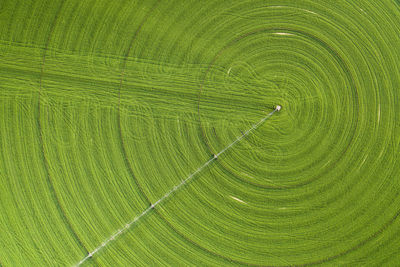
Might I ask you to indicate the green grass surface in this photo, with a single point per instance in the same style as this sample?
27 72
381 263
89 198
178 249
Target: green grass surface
105 106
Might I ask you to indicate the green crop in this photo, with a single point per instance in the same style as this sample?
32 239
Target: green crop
107 106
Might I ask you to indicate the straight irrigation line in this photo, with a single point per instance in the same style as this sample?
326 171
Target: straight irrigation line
176 188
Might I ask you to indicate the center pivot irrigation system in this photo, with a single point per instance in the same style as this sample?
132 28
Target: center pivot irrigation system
177 187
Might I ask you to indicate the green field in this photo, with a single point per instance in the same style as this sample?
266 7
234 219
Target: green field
107 106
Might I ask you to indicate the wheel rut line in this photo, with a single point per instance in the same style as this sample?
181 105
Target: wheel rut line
125 156
362 243
122 141
130 170
49 179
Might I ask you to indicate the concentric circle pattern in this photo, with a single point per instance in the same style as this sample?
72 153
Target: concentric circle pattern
108 105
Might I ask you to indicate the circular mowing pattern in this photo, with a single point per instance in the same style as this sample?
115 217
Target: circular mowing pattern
316 78
300 96
110 106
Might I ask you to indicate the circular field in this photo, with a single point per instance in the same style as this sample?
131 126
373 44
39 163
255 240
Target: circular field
109 108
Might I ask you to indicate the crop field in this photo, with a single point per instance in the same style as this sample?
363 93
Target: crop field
199 133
